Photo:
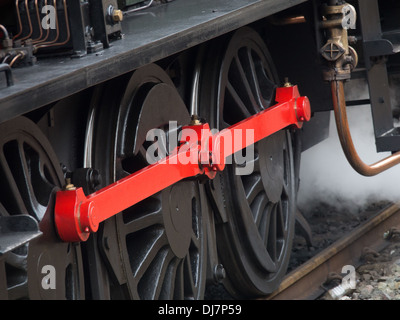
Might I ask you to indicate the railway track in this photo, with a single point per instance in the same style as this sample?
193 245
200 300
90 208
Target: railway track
307 282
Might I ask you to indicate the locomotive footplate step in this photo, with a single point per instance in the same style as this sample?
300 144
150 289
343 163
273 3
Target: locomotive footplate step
17 230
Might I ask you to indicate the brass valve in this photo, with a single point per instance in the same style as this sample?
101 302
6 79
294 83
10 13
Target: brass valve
341 58
114 15
117 15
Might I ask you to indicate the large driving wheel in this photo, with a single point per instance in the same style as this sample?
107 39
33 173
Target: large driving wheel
30 174
254 240
157 248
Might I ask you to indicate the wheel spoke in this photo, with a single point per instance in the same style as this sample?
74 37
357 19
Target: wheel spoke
136 219
16 156
11 193
40 185
281 221
30 165
168 288
270 239
151 243
151 283
195 241
120 168
254 163
252 74
265 86
244 112
242 82
252 185
281 229
18 291
285 190
190 288
258 206
179 293
264 220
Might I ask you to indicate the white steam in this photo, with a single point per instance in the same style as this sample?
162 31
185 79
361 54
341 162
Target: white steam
327 177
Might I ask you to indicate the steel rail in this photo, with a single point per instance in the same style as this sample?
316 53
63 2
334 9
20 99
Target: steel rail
306 282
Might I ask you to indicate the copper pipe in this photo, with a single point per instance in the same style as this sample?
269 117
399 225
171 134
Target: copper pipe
47 31
5 32
54 41
339 106
29 22
39 22
283 21
19 20
45 45
17 57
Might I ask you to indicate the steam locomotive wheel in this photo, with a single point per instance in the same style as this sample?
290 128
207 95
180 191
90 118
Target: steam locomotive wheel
30 174
157 248
254 243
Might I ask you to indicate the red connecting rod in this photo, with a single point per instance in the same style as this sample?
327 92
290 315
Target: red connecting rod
77 215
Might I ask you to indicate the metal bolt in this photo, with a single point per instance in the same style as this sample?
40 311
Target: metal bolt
117 15
287 83
219 272
195 121
69 185
94 178
64 168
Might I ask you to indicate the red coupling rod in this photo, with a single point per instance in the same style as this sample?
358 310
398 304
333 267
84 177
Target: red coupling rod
77 215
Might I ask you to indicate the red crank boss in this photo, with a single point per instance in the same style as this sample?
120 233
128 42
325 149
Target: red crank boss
77 215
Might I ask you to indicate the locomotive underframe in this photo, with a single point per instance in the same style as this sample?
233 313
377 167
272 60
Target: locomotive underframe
158 33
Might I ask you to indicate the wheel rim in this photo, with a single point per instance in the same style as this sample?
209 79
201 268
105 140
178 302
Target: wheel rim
255 243
30 175
161 239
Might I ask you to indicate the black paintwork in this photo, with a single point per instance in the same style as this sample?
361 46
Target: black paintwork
149 35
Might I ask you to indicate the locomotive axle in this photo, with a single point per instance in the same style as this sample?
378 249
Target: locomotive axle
77 215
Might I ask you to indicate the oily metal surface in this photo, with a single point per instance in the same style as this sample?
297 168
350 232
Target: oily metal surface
304 283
